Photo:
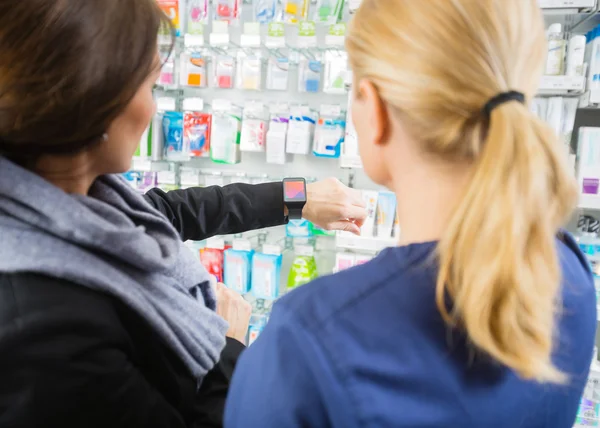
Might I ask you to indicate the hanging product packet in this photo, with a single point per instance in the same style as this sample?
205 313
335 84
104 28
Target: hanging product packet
266 272
224 71
309 78
196 128
197 14
304 267
254 128
171 9
167 71
264 11
329 132
336 72
277 134
278 70
227 10
329 11
212 257
173 136
249 72
295 11
300 130
193 69
226 132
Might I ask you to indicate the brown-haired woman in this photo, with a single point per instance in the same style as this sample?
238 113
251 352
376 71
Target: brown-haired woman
106 320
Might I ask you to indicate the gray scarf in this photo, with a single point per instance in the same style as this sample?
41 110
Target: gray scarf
114 242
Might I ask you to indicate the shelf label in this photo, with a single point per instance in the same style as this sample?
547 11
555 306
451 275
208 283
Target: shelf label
565 4
562 83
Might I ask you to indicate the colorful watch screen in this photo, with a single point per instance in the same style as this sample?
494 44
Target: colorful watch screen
294 190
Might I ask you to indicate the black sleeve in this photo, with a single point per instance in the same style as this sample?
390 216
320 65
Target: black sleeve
210 407
201 212
64 362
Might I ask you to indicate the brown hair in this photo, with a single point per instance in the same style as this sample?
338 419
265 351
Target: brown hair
69 67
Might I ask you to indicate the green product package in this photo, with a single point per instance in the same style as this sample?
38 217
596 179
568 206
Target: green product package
317 231
304 270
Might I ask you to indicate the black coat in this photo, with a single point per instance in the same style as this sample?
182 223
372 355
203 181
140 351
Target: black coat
74 357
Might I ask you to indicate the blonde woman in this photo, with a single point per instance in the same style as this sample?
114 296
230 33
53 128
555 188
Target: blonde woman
484 315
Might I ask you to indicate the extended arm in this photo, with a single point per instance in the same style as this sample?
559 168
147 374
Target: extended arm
201 212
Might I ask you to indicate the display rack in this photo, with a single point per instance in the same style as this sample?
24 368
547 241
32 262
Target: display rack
348 241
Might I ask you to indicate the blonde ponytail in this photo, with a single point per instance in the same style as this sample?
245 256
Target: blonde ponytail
498 260
436 64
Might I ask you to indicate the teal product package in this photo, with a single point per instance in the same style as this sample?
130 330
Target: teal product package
266 274
237 270
298 229
173 134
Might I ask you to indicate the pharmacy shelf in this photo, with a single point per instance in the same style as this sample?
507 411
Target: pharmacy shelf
589 202
347 241
577 5
146 165
562 85
590 99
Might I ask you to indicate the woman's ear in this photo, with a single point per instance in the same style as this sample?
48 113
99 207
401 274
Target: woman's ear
372 112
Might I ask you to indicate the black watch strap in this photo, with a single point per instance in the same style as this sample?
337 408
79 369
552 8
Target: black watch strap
295 213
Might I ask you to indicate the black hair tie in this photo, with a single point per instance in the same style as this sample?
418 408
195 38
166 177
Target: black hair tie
504 97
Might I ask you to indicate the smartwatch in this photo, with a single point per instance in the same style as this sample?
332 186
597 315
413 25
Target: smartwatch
294 196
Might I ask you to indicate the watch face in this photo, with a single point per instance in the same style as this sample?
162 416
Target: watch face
294 190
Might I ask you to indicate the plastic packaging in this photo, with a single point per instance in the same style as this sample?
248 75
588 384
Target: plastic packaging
197 14
298 229
227 10
386 210
212 258
329 11
304 267
370 198
254 128
336 70
249 73
555 61
265 10
171 9
570 106
266 274
225 135
193 69
588 172
237 269
295 10
144 150
224 71
344 261
309 76
554 114
196 133
329 132
300 130
173 136
278 74
257 325
276 138
167 72
576 56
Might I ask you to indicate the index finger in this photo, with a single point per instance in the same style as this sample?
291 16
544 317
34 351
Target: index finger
355 213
